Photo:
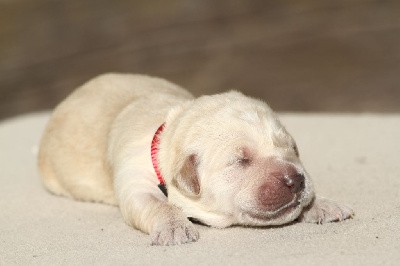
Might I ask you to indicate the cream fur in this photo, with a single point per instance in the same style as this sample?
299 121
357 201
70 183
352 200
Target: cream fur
96 147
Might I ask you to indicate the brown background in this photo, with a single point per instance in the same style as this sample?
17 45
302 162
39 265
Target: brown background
299 55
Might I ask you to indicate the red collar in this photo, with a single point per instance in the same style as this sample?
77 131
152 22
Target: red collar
154 152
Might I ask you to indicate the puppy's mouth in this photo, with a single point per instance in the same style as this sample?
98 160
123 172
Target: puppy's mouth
263 217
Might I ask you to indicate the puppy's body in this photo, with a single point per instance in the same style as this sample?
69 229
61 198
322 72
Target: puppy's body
226 159
73 153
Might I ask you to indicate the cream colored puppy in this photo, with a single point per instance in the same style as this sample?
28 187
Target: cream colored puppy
226 159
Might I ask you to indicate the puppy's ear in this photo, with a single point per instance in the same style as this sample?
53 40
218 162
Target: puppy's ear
187 179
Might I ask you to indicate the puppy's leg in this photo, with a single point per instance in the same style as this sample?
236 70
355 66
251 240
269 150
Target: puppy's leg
323 210
145 207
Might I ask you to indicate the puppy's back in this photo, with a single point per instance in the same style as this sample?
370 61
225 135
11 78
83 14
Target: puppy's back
72 155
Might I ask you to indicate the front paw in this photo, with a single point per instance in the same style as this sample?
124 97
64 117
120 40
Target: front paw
174 233
323 210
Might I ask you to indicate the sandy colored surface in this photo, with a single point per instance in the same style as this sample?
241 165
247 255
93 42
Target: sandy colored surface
352 158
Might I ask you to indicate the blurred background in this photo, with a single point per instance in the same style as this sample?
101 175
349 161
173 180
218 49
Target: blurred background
298 55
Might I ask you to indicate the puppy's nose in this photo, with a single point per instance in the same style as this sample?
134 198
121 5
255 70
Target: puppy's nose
294 182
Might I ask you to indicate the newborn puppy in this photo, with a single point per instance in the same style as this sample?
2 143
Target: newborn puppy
224 159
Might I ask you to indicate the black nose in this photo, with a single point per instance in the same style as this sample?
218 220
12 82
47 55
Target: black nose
295 182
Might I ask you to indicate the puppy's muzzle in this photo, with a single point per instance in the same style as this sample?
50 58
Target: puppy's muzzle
282 186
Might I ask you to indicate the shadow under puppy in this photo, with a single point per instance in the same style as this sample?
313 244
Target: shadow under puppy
225 159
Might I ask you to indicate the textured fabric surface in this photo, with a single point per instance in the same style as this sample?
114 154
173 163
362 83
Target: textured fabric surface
353 159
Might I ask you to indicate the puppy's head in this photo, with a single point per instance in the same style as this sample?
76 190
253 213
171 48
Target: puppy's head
228 160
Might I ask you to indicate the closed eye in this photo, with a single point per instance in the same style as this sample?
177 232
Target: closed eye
296 150
242 157
244 162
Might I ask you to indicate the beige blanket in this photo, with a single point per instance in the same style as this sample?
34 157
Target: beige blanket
354 159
